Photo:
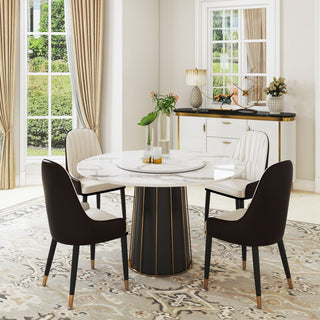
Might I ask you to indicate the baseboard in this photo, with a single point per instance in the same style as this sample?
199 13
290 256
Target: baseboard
304 185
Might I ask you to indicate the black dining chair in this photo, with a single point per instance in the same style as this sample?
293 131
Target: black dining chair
253 150
261 224
73 223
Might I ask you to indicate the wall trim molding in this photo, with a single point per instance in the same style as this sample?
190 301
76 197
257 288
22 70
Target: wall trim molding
304 185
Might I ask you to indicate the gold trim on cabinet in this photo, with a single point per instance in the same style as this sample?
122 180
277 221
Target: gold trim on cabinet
231 116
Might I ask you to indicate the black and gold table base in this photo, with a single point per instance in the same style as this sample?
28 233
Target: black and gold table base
160 234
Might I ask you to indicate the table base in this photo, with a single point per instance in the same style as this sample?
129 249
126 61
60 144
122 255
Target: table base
160 234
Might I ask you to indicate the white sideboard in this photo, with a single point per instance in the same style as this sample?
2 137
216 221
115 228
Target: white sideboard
218 131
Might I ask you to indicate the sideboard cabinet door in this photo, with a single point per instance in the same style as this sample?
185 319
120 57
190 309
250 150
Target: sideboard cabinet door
193 134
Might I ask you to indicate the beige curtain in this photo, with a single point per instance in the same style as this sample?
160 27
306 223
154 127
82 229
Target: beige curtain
255 28
8 50
87 19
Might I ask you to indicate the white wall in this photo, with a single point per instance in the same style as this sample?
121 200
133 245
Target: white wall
297 64
140 67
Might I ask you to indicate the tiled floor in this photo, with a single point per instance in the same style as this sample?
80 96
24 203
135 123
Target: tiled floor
304 206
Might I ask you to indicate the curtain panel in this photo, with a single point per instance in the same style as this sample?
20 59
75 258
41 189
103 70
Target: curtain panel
85 58
8 52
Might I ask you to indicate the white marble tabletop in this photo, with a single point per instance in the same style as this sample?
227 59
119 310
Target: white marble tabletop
108 167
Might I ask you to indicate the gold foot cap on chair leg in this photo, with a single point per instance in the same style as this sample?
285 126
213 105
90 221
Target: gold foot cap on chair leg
290 283
44 280
244 264
205 284
71 301
92 264
126 284
259 304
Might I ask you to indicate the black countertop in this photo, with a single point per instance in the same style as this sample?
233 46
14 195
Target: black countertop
238 113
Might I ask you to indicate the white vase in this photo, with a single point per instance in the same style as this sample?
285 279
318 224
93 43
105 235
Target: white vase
275 104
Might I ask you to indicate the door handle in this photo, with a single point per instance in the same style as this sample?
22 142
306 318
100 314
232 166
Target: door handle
226 122
226 142
204 127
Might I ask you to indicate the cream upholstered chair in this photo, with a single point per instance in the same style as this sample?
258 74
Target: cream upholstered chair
253 150
82 144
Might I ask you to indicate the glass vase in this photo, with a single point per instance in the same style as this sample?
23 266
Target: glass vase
164 133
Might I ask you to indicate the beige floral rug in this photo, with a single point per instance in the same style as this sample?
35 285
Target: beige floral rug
100 294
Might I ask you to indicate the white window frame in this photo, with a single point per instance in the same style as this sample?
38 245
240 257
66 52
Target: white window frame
24 159
203 10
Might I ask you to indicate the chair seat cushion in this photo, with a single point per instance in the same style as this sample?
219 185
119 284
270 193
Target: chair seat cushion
230 215
92 186
231 187
99 215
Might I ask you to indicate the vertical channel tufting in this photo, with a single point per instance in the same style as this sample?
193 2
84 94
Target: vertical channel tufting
81 144
253 150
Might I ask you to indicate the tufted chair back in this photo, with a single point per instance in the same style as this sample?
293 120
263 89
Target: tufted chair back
253 149
80 144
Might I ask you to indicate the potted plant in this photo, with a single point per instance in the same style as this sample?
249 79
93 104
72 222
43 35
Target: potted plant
276 90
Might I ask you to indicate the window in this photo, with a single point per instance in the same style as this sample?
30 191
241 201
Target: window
236 43
48 94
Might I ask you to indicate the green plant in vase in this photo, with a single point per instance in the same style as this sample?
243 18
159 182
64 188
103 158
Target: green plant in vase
146 121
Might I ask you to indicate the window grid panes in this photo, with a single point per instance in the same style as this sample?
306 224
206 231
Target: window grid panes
237 55
49 95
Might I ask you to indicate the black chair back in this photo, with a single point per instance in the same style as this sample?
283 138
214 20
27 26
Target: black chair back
266 215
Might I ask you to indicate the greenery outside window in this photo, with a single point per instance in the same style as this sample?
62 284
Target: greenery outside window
48 87
237 44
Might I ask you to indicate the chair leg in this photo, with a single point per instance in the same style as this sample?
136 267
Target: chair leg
207 207
124 251
98 200
49 261
123 203
285 262
74 268
92 254
84 198
240 205
207 261
244 257
256 269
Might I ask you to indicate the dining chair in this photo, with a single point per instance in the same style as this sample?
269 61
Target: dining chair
73 223
261 224
253 150
82 144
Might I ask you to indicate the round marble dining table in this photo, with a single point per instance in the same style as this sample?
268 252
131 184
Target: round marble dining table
160 233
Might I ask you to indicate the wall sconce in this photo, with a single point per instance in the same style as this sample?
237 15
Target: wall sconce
196 77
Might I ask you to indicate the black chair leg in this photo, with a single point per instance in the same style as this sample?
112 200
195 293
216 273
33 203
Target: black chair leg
92 254
84 198
74 268
207 207
256 269
207 261
124 251
98 200
240 205
49 261
285 262
123 204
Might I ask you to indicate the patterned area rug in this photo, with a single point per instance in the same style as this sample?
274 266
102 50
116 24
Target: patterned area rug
100 294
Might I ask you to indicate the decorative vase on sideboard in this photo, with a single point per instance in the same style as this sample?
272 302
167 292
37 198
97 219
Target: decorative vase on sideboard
275 104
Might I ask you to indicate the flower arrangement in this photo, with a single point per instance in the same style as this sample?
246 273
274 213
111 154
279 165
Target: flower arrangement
164 104
277 87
